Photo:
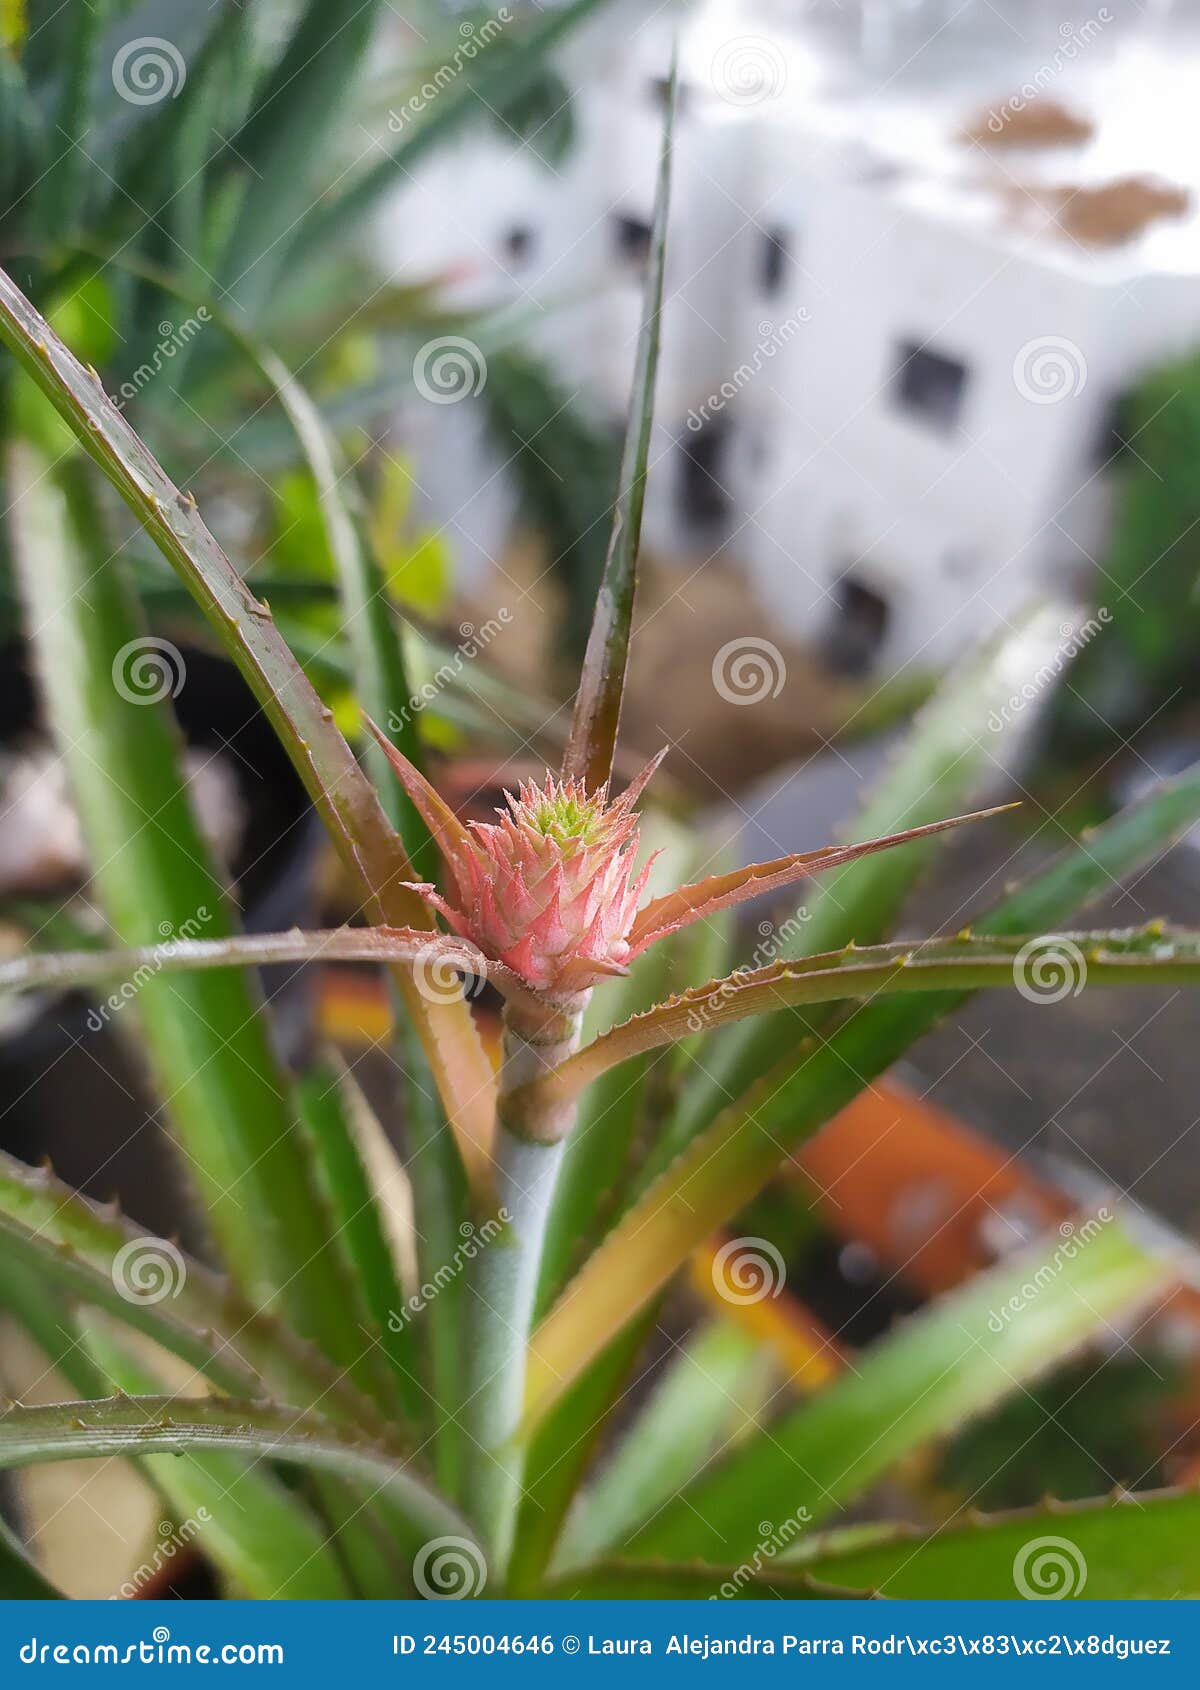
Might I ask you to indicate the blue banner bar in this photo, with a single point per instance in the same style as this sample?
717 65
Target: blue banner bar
417 1644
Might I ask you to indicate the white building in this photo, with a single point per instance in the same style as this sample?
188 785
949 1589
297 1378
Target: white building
893 358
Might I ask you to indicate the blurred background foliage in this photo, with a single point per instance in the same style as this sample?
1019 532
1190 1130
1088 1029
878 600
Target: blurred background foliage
123 219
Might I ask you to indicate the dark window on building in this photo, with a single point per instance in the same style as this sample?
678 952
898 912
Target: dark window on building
774 260
633 238
519 243
703 476
929 385
660 93
1116 431
860 625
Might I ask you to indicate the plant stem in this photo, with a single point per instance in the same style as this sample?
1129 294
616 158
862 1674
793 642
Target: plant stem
527 1155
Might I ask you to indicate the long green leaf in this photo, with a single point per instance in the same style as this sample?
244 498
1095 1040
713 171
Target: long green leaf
257 1531
36 1301
597 713
327 1108
225 1095
1151 955
20 1580
615 1581
384 690
943 1366
561 1449
290 130
949 755
487 85
736 1156
341 794
61 192
134 966
1111 1549
100 1258
379 668
715 1386
167 1425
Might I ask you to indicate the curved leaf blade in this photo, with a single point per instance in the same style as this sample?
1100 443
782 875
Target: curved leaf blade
616 1581
722 891
948 757
733 1158
942 1366
163 1425
256 1529
20 1580
597 714
340 792
1153 955
1139 1547
94 1254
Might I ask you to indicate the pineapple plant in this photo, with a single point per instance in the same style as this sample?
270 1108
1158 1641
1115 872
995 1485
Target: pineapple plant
444 1421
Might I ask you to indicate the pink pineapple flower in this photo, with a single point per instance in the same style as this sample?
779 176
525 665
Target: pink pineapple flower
550 893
